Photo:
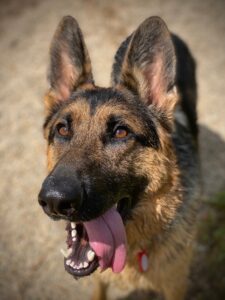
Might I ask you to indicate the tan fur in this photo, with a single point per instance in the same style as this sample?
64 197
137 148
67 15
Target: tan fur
151 217
157 226
157 209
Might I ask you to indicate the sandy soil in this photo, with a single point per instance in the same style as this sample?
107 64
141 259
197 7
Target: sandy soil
31 266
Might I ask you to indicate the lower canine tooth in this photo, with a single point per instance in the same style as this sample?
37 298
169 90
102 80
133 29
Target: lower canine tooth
85 264
73 239
90 255
67 252
68 262
64 253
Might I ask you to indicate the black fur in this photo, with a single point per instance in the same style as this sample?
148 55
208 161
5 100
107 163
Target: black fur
100 96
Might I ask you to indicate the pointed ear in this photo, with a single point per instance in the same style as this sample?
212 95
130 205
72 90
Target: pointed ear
145 64
70 65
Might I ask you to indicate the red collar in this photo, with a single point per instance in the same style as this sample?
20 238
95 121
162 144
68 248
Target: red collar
143 261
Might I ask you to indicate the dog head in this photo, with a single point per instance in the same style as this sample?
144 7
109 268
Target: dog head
107 147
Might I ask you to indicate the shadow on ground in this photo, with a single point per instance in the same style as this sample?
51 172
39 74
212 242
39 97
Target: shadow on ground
212 156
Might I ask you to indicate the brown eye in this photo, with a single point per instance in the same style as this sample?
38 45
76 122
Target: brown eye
63 130
120 133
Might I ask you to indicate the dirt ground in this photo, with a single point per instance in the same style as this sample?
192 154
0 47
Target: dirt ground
31 266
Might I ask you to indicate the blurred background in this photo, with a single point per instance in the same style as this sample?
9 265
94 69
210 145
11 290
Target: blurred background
31 266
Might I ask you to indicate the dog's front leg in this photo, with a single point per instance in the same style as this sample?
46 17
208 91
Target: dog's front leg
100 291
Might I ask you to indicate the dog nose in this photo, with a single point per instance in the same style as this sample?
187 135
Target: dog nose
61 194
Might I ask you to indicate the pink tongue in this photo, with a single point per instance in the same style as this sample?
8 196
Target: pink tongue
107 238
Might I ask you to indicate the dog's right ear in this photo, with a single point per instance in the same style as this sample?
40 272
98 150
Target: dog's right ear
70 65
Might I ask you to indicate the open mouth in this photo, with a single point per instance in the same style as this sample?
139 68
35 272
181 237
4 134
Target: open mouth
79 259
100 242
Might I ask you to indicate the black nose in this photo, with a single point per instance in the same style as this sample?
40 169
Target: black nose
61 193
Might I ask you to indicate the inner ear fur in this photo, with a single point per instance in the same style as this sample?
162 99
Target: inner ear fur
148 64
70 65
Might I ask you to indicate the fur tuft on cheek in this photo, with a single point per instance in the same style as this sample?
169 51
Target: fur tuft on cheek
50 159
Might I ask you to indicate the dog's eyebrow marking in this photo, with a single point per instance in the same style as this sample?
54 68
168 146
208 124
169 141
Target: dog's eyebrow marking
55 109
100 96
52 113
47 120
113 119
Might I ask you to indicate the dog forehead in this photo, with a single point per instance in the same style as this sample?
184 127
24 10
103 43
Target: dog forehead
99 103
100 96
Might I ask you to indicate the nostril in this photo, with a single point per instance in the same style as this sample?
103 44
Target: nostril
61 195
42 203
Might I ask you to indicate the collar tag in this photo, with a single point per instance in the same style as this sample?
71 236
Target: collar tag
143 261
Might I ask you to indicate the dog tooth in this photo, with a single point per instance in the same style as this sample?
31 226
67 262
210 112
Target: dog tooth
90 255
64 252
73 225
68 262
74 233
74 239
80 266
85 264
67 252
72 264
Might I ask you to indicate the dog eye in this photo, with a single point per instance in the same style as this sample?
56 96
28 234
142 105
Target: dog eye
63 130
120 133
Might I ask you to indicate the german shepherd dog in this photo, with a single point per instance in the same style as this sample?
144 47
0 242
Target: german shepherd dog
123 160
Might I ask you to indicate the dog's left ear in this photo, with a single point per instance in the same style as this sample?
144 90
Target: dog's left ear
145 64
70 65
